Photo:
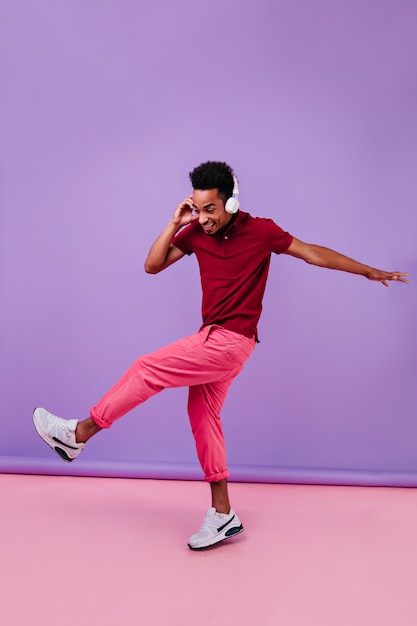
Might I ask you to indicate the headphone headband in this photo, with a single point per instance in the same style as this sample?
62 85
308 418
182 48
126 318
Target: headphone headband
235 186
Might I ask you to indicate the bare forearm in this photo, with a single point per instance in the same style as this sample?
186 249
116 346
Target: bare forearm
162 252
325 257
158 254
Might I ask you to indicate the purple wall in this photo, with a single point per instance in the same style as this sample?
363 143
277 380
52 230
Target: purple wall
105 108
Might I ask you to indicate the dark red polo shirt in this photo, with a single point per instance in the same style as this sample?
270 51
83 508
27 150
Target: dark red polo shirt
234 266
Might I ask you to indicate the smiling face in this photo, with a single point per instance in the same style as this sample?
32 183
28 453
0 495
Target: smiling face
208 205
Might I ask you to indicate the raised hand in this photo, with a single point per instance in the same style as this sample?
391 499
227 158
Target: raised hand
183 214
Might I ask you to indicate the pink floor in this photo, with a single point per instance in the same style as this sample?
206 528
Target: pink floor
113 552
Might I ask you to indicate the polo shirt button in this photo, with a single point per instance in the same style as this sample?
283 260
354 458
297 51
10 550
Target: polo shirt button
226 237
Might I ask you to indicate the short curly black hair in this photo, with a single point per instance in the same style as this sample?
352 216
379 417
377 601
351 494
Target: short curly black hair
214 175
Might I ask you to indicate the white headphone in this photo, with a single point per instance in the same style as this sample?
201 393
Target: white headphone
232 204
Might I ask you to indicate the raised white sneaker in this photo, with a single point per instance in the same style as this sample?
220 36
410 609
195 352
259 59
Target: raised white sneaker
216 527
58 433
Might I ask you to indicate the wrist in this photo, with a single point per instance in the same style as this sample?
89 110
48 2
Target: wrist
173 225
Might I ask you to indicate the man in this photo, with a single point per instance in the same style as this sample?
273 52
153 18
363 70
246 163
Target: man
233 250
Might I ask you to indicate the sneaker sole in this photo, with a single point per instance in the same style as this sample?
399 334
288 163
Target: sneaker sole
51 443
231 532
64 456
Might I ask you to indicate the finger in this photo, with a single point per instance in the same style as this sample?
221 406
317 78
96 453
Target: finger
398 276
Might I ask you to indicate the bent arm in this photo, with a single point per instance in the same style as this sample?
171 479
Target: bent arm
163 253
325 257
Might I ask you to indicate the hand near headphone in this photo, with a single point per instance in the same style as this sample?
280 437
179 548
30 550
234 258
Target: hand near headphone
183 214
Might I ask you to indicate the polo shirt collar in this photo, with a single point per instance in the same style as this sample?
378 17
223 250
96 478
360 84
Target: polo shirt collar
237 218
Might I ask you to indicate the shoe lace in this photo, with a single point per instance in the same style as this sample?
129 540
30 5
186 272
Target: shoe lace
59 423
209 521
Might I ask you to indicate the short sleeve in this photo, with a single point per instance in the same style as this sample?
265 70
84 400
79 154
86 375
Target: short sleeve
183 240
278 239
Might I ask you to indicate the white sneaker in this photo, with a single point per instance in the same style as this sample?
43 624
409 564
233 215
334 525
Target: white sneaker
58 433
216 527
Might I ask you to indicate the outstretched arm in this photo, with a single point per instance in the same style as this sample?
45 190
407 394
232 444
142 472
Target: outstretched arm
163 253
324 257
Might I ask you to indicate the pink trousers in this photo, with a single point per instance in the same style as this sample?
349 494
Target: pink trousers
206 362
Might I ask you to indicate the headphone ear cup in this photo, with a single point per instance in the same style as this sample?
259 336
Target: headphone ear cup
232 205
